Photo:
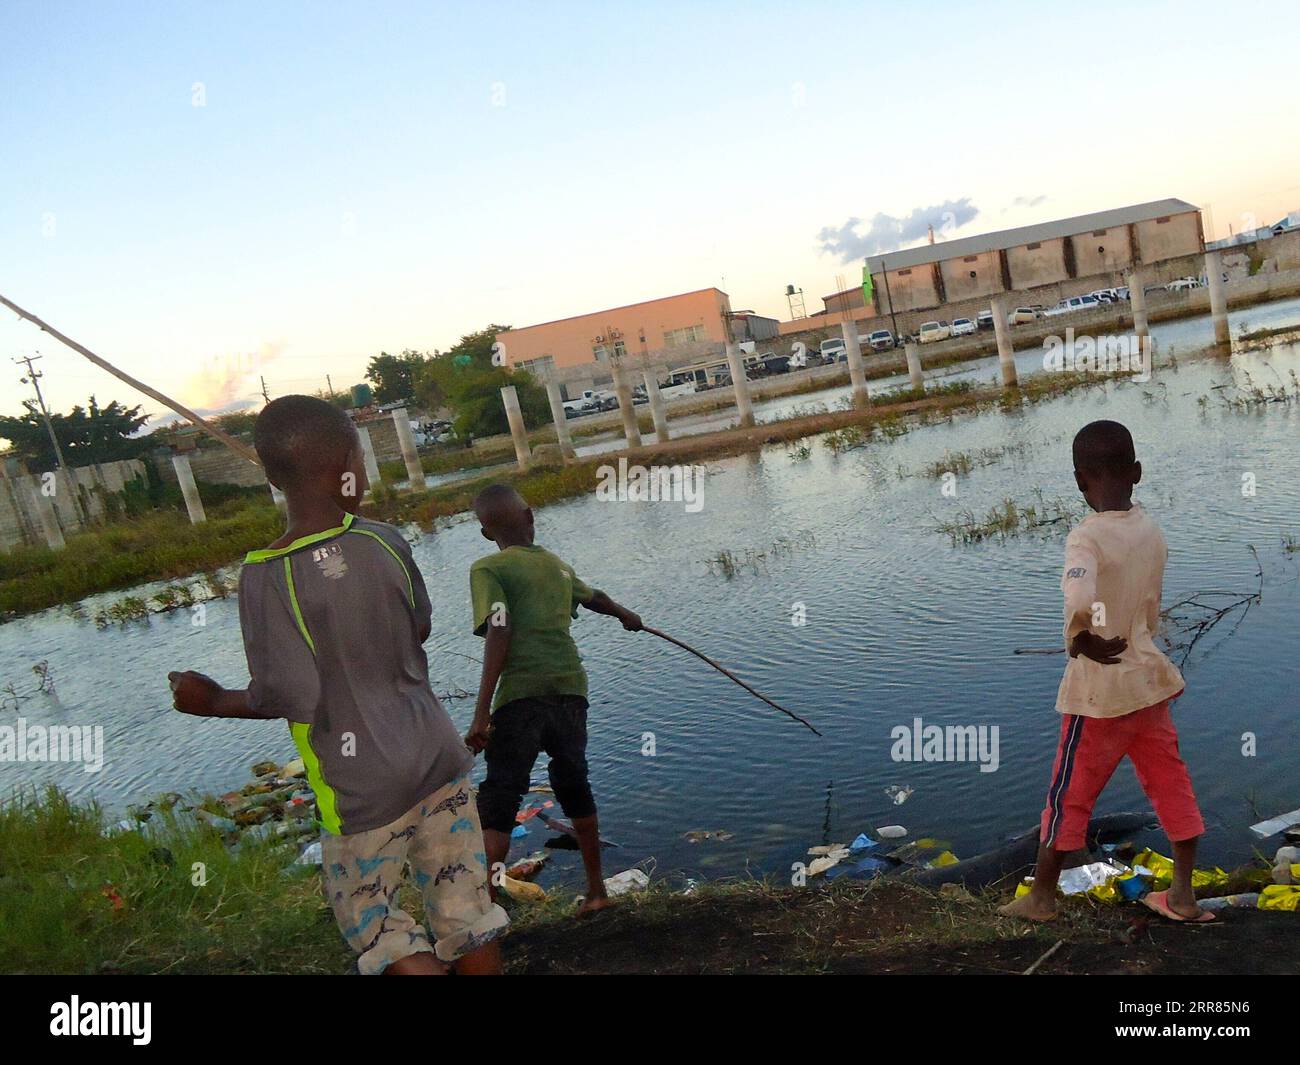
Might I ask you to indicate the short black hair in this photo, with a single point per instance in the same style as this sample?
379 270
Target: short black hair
297 435
1104 447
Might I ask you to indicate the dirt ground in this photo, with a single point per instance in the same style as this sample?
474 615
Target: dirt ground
892 928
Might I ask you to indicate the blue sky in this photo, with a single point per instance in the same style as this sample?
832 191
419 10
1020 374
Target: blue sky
381 176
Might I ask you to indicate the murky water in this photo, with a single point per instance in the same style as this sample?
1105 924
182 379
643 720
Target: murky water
900 624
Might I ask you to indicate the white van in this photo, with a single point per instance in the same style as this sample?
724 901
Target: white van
932 331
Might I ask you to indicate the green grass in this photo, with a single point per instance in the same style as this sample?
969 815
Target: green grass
157 546
78 898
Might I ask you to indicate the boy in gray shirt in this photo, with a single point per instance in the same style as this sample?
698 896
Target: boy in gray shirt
334 614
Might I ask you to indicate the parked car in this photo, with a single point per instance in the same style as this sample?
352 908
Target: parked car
932 331
774 364
881 340
1074 304
1021 315
1183 284
962 327
832 349
984 320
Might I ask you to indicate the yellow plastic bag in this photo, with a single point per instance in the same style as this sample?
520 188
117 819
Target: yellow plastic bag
1280 897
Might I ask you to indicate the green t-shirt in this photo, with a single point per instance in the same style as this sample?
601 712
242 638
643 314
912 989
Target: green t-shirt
540 595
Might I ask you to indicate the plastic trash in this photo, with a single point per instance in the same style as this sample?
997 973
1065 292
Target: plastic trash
1280 897
1083 878
891 832
626 881
311 855
519 832
529 867
862 869
900 793
819 865
522 890
1285 864
862 843
1246 900
824 849
1274 825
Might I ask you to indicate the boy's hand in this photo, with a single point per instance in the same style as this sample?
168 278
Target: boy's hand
480 732
631 621
1090 645
194 693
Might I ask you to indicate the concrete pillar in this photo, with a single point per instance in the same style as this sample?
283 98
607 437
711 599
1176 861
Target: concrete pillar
1006 351
626 409
857 372
657 409
740 385
368 454
41 506
190 490
1218 297
1137 299
914 364
518 433
560 419
406 440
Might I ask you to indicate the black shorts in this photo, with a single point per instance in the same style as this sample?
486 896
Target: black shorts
556 724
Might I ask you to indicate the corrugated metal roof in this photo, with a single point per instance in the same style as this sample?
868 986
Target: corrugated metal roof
1012 238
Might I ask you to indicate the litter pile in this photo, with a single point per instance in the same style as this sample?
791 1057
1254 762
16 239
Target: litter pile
867 857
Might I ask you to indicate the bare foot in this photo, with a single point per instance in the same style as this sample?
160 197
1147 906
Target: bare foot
1030 907
594 905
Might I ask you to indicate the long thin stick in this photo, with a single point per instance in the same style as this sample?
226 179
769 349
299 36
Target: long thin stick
727 673
242 450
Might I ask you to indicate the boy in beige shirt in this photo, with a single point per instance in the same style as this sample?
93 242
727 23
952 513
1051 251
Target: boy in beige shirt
1115 695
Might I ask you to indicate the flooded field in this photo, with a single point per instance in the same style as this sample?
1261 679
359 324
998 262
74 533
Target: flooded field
901 620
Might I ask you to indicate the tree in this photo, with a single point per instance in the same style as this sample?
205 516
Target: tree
477 401
393 375
436 381
86 435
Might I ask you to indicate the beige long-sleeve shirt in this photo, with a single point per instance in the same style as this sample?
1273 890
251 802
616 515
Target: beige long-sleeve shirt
1114 569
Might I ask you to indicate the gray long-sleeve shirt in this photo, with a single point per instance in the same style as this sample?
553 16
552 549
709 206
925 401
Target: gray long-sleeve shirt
333 630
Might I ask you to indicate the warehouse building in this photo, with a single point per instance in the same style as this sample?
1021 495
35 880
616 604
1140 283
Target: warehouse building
1093 250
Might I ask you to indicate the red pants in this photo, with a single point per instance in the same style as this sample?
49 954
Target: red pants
1089 753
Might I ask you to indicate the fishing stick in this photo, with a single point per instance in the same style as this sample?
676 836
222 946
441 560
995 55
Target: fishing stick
1039 651
240 449
727 673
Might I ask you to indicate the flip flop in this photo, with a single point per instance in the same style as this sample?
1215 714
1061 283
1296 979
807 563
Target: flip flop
1159 902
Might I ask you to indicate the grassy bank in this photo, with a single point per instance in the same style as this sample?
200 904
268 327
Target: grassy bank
79 897
156 546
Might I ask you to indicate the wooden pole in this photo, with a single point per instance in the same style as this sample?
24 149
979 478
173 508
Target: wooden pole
730 675
240 449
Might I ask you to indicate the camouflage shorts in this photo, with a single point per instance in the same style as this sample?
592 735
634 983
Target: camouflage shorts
440 840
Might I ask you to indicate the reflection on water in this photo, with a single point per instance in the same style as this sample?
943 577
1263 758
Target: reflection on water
900 625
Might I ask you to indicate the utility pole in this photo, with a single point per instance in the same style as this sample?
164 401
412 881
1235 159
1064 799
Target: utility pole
34 379
329 385
264 395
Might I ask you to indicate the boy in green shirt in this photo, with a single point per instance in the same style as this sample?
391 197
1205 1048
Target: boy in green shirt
524 598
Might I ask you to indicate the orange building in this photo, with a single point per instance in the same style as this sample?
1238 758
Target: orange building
676 329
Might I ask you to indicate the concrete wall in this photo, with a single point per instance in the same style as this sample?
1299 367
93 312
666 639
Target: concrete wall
1040 263
20 524
1174 236
958 282
909 288
1102 251
211 465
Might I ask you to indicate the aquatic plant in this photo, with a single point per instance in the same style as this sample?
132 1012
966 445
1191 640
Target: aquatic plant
1009 518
